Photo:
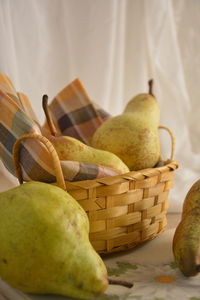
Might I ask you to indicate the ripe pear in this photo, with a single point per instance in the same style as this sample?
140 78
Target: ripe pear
69 148
44 243
145 104
192 199
186 240
133 136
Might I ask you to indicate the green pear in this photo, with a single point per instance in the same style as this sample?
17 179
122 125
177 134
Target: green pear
192 199
133 136
44 243
145 104
186 240
69 148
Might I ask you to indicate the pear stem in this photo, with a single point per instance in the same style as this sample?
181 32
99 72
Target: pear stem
48 116
120 282
150 82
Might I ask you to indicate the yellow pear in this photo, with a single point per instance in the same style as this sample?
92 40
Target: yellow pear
186 240
44 244
133 135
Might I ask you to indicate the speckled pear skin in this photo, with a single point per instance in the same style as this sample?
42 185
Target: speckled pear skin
186 240
69 148
133 136
192 199
44 245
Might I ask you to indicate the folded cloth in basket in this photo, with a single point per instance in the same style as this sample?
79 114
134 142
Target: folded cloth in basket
73 113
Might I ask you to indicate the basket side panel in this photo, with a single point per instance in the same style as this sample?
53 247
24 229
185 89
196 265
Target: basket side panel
127 213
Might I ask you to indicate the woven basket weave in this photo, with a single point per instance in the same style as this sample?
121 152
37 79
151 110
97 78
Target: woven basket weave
123 210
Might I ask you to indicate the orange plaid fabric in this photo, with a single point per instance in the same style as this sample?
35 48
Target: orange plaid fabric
74 114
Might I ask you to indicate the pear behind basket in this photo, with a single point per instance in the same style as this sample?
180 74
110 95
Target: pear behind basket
123 210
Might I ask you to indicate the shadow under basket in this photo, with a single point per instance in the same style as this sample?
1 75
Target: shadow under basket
123 210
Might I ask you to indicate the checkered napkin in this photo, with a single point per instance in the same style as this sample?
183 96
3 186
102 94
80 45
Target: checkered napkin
73 113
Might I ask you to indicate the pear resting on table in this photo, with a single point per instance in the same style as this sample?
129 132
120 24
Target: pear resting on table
186 241
133 135
44 242
69 148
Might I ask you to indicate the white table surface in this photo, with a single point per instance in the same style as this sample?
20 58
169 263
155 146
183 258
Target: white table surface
150 267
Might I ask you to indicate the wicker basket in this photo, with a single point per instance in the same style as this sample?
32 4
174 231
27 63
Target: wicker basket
123 210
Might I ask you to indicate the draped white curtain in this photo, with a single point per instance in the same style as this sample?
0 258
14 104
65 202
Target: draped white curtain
114 47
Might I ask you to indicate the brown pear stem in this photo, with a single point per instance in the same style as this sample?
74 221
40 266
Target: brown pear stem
150 82
47 114
120 282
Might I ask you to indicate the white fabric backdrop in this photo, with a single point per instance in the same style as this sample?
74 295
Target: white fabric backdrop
114 47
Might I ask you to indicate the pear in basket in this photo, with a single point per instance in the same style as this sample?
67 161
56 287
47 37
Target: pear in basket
44 242
69 148
133 136
186 240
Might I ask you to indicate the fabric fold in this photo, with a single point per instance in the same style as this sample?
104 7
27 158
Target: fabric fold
73 113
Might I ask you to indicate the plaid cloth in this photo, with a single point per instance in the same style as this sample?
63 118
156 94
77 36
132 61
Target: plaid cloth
73 113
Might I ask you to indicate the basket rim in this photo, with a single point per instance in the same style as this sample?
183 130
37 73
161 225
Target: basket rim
138 175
